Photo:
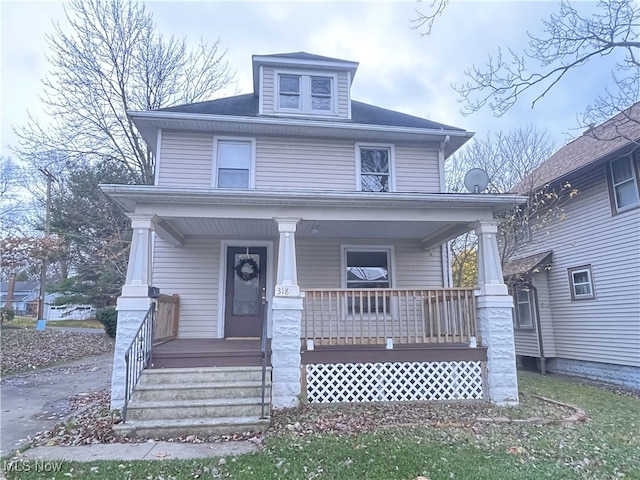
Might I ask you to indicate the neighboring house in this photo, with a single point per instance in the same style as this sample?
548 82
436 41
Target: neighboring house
54 312
301 216
577 301
23 294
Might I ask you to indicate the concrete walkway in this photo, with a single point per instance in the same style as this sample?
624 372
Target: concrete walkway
139 451
35 401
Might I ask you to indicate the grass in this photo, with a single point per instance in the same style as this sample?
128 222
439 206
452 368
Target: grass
30 322
607 446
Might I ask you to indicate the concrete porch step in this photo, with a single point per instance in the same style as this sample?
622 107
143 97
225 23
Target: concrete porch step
201 391
192 375
202 427
201 408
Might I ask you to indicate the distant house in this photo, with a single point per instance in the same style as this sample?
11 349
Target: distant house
23 296
577 297
319 224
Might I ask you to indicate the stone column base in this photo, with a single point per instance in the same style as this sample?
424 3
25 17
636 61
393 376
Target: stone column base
285 352
131 313
495 325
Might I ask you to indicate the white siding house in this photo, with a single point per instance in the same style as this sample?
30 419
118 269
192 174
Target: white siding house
587 309
298 216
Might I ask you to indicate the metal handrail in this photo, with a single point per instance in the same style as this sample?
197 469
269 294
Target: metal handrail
263 349
140 352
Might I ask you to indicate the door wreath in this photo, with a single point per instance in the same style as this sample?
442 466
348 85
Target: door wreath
247 269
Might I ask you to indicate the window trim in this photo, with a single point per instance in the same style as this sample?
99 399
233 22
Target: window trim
635 170
519 287
305 93
252 163
392 164
572 285
390 249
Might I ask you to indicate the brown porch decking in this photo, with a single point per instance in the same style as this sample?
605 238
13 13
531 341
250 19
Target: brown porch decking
209 352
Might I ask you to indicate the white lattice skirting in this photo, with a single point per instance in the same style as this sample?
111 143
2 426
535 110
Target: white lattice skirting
389 382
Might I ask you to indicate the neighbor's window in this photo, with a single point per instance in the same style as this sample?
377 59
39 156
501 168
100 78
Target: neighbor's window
368 269
581 283
305 93
375 168
234 160
523 306
624 183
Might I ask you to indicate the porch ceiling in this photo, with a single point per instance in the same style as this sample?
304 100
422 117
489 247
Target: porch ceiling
430 218
234 227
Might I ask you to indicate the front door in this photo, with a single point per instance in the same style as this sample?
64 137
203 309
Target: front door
245 283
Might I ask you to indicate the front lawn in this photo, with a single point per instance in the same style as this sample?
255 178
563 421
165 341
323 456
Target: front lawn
606 446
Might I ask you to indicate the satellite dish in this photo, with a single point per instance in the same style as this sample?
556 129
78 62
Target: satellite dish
476 180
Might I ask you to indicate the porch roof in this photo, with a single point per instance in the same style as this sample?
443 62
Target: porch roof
431 218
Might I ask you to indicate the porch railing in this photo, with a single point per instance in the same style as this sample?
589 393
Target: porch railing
371 316
138 356
167 318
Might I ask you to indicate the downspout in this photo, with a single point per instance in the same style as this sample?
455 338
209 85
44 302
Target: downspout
543 366
445 249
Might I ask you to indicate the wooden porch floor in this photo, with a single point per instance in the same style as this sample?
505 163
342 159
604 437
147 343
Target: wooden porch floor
209 352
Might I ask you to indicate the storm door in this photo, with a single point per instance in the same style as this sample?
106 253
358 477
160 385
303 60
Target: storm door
245 282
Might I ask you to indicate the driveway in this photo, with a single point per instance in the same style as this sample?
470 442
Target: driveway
35 401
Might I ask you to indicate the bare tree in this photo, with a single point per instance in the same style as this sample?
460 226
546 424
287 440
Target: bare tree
108 60
14 203
509 159
609 37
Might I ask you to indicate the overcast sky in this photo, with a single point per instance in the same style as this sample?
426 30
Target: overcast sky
399 69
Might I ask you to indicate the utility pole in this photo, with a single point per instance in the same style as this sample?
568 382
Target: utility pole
47 229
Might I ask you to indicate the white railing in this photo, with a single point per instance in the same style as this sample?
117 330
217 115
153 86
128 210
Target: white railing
371 316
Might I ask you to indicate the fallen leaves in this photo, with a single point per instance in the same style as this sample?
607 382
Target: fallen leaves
28 349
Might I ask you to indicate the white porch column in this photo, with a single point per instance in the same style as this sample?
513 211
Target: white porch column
494 309
287 316
134 301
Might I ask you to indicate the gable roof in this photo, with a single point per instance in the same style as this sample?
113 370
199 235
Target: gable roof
362 113
303 56
598 144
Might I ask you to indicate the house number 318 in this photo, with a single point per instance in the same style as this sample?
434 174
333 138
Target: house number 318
287 290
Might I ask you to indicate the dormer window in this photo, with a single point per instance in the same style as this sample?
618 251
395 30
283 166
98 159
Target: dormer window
306 93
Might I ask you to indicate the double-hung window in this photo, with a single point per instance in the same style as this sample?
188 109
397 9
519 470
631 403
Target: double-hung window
581 283
523 307
374 165
298 93
234 163
623 180
367 268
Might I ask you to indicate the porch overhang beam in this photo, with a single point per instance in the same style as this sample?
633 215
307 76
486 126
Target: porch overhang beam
168 233
443 235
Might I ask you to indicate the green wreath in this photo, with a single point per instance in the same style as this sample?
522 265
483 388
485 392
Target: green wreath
247 269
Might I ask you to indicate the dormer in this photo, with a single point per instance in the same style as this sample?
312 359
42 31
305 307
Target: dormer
303 85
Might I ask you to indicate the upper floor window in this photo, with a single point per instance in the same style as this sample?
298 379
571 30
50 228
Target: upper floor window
374 165
234 163
623 181
581 283
306 93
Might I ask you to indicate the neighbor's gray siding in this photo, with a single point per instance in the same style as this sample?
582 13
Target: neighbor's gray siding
270 89
606 329
191 272
185 159
541 283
